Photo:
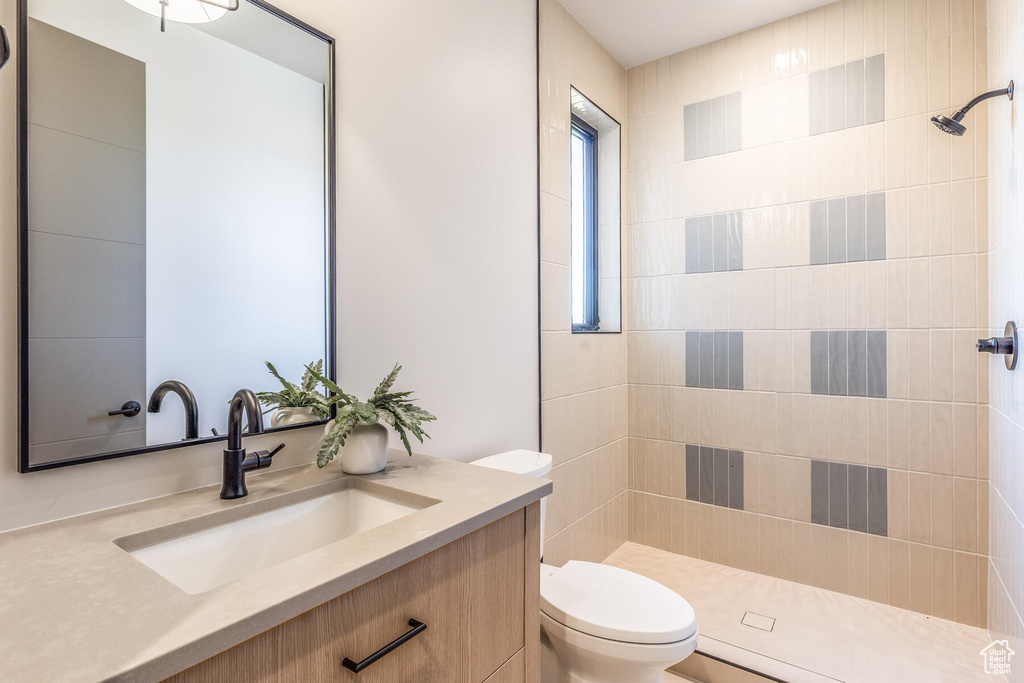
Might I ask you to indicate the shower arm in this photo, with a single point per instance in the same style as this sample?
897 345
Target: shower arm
1008 91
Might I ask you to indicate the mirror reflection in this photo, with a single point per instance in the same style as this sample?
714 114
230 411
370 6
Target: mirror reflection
177 227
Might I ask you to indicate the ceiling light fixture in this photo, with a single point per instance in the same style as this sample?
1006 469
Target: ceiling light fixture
185 11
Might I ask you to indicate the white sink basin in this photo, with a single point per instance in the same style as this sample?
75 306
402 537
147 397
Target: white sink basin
204 560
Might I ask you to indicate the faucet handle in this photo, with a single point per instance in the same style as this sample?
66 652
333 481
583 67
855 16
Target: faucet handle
265 458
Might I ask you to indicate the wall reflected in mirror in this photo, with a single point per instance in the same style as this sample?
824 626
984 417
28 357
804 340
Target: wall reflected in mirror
177 223
594 202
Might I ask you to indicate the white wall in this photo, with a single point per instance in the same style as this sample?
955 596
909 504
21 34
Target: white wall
438 212
438 241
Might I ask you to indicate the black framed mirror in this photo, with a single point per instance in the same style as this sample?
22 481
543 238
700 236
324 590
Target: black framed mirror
176 220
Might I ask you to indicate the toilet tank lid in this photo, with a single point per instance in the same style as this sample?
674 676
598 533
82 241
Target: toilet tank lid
530 463
616 604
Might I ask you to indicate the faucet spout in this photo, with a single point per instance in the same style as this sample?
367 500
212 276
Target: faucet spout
244 401
243 405
188 399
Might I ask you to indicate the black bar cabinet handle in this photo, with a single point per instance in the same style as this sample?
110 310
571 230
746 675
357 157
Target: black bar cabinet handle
418 627
129 409
5 47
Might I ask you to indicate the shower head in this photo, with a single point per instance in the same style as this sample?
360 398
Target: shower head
953 125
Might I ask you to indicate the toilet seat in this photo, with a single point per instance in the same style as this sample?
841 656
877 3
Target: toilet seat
616 604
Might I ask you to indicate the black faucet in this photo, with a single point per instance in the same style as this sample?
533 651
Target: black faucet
188 399
235 462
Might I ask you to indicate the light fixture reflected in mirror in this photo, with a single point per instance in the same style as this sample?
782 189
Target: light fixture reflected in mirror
185 11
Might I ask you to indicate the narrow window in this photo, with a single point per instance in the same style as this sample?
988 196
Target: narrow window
583 201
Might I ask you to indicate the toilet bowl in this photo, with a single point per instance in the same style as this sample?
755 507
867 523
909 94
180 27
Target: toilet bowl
602 624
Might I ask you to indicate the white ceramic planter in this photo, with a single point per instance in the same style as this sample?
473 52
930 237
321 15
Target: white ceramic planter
365 450
292 416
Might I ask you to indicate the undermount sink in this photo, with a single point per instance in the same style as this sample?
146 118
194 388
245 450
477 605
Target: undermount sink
200 561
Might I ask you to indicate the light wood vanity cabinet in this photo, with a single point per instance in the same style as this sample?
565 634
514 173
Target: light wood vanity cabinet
478 597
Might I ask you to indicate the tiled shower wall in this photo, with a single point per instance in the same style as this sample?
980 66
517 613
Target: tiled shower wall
808 266
583 376
1006 241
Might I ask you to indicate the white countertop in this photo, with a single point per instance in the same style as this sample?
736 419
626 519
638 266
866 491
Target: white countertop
76 607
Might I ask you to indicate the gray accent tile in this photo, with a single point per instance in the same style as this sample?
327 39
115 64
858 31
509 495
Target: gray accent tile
837 363
692 359
819 492
707 475
736 360
855 240
720 125
817 102
835 98
819 232
692 250
735 241
875 226
874 97
721 242
878 501
705 249
690 132
838 496
877 363
721 360
855 93
819 362
692 472
736 480
858 500
721 477
707 360
735 141
705 143
837 230
858 361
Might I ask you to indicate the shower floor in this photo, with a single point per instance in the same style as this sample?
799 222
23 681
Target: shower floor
817 635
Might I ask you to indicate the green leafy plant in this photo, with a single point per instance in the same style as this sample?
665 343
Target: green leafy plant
393 408
305 394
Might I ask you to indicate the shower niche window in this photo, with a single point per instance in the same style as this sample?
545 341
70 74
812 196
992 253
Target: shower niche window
594 198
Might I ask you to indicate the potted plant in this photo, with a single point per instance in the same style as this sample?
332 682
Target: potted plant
359 431
296 403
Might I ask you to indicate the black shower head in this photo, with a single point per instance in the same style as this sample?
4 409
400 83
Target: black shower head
953 125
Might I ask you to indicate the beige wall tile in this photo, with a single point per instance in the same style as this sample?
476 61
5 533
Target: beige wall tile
930 294
878 569
839 568
965 515
966 595
920 578
857 548
942 511
769 544
899 573
820 555
942 583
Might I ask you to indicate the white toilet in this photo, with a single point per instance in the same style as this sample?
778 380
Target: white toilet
602 624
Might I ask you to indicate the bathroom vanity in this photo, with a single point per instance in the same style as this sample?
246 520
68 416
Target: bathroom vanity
155 590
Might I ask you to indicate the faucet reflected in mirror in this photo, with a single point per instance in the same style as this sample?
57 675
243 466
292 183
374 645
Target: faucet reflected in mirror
236 464
188 399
